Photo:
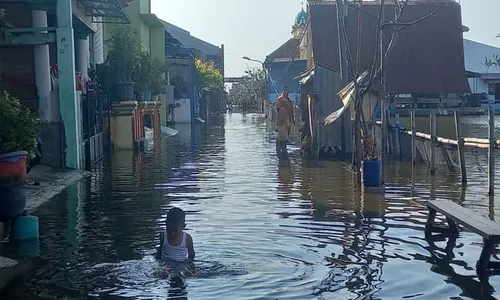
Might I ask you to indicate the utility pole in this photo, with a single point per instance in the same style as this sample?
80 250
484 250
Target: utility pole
382 92
344 68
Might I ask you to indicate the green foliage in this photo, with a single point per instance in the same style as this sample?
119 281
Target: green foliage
180 86
158 82
18 126
142 75
149 74
208 75
124 54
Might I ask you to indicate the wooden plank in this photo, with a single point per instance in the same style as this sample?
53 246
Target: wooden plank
433 142
485 227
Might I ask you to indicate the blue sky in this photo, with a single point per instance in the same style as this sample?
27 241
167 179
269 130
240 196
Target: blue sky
255 28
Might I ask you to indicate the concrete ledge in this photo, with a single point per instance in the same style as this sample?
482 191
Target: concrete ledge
49 182
10 270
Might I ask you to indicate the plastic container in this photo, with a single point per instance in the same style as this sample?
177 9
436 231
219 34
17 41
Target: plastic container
24 228
371 173
13 164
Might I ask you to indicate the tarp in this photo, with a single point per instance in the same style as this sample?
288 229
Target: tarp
167 131
346 95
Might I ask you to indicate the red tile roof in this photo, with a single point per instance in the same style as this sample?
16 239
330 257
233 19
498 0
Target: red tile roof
427 58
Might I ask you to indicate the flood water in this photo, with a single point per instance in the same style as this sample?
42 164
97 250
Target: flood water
263 228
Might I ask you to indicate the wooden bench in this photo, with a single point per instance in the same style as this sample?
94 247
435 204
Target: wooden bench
456 214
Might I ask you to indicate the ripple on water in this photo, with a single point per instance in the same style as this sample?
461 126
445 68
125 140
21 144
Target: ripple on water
263 228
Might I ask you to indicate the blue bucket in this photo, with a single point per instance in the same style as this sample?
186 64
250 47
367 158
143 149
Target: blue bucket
371 171
24 228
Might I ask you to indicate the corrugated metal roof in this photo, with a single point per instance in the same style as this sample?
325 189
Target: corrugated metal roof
189 41
476 54
290 49
428 57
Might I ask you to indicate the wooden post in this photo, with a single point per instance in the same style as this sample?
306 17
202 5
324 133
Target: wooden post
382 90
413 138
390 135
460 140
433 142
491 149
397 137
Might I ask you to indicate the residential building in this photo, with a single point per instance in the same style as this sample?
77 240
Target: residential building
149 28
288 61
484 77
181 50
45 62
426 64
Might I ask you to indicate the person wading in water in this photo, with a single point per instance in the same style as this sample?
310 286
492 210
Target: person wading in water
284 109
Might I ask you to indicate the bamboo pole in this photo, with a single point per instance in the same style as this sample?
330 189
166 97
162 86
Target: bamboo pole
397 141
413 138
491 148
460 140
382 90
433 142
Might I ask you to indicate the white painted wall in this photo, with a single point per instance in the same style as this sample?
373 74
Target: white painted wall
478 85
183 112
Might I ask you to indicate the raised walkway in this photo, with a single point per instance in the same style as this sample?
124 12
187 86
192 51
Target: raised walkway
44 183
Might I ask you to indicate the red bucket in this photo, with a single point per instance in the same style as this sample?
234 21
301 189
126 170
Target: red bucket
13 165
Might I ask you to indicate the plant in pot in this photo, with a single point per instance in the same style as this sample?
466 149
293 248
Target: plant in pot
158 81
143 76
18 130
122 59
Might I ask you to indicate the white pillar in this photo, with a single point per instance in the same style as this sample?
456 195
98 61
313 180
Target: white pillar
42 72
83 59
98 44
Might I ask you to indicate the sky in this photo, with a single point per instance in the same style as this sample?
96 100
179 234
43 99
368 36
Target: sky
255 28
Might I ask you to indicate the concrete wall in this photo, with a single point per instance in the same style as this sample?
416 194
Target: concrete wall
158 42
478 85
17 71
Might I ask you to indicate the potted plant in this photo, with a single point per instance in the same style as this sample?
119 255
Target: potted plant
158 81
122 59
18 130
371 164
143 76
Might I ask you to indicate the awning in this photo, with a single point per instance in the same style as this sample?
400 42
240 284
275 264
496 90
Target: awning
306 76
80 25
104 11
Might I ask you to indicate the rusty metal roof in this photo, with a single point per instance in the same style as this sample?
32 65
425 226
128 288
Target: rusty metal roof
427 58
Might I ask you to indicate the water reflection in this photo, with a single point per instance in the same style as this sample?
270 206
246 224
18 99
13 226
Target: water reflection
264 227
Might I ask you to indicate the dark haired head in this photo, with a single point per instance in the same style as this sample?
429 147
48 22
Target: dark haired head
285 88
175 216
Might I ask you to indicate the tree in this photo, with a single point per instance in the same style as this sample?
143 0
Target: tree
208 75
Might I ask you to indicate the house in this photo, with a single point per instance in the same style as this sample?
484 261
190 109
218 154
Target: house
484 78
44 61
288 61
181 50
425 64
149 113
147 25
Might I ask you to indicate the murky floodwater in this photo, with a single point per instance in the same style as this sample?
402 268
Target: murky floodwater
263 228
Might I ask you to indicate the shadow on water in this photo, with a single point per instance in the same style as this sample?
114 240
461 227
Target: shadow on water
264 227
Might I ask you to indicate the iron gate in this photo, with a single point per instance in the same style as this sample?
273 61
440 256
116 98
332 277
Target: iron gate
93 116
